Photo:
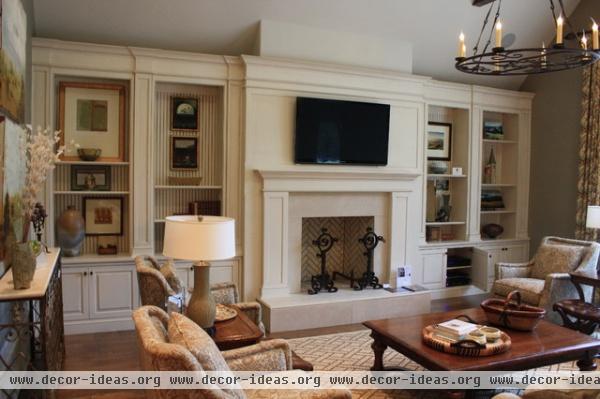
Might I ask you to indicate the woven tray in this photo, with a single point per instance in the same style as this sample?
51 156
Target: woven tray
465 347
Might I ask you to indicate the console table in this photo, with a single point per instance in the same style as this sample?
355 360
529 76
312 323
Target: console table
36 328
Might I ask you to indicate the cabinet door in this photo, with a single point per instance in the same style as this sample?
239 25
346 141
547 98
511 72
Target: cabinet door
182 272
225 272
434 270
75 292
515 254
112 292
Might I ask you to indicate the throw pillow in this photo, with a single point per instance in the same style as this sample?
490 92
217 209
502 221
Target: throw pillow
183 331
556 259
168 270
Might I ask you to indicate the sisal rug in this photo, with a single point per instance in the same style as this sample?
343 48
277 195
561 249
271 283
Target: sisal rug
352 351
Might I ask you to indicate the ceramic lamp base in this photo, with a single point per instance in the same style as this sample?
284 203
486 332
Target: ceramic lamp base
202 308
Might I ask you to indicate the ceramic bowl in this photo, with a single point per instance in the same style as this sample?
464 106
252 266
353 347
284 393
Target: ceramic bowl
492 230
490 333
89 154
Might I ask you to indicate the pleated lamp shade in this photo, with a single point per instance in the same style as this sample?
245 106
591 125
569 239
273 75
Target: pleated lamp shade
199 238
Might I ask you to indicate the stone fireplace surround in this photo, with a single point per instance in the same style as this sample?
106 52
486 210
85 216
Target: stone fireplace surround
290 195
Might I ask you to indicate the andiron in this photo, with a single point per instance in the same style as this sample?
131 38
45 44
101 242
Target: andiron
370 240
323 281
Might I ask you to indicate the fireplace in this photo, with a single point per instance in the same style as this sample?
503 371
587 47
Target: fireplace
297 203
346 256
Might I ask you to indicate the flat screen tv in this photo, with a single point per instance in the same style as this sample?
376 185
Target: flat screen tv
341 132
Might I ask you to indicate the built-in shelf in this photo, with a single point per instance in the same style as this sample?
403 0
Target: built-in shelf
188 187
444 223
499 141
91 193
95 258
498 212
497 185
458 267
92 163
433 176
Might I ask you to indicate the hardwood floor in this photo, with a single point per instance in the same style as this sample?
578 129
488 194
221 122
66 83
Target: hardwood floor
118 350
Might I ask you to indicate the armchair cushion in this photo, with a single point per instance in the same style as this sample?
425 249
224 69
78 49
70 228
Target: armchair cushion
272 355
556 258
531 289
168 271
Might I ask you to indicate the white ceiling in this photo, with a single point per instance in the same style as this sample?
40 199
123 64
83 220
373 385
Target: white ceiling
230 26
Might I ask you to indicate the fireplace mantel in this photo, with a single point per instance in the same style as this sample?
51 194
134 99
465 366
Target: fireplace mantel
313 180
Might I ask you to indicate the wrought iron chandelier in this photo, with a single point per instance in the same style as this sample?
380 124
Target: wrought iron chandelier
497 60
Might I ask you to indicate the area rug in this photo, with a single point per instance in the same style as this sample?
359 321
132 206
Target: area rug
352 351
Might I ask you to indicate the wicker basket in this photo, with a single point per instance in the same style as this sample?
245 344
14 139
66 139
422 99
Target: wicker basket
510 313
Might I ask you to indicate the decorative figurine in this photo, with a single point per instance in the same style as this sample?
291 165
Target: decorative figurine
489 172
322 281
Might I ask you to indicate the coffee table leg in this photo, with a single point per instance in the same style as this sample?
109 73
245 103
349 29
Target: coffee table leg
378 349
587 363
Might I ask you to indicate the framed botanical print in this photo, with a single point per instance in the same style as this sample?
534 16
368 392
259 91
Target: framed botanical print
184 113
92 178
439 141
92 115
103 216
184 153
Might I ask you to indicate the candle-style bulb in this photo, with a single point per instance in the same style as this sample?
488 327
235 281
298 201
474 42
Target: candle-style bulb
498 34
559 29
462 49
584 41
595 42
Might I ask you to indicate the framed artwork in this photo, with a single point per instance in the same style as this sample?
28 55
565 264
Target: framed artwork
103 216
184 113
93 116
91 178
439 141
13 58
184 153
493 130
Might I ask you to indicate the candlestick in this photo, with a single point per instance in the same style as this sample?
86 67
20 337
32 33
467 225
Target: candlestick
499 34
559 30
462 49
595 43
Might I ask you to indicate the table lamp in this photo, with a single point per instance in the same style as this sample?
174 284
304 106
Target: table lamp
593 217
200 239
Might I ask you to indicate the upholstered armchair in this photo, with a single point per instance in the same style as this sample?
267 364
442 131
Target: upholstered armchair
177 344
553 394
157 282
545 279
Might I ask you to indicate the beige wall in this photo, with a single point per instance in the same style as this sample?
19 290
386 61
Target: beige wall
555 144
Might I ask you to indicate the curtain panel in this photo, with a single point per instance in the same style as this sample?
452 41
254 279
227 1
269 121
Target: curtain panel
588 186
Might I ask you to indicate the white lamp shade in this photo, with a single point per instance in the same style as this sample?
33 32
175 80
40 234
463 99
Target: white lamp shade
199 238
593 217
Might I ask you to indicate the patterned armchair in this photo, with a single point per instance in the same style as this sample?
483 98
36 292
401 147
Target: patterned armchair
177 344
155 288
544 280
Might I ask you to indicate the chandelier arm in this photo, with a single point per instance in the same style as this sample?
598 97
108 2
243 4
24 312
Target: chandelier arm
485 21
489 41
554 18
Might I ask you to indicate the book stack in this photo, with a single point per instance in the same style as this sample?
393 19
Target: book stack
454 330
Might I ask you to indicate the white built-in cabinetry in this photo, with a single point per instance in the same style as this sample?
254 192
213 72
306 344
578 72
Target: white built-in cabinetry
467 109
248 127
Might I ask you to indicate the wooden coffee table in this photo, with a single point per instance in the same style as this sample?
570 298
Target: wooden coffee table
547 344
241 331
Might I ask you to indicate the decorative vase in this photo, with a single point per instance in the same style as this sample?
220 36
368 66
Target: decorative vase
70 231
492 230
23 265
